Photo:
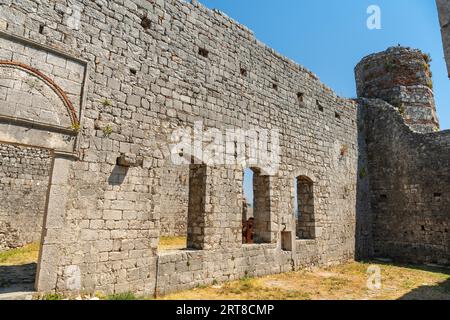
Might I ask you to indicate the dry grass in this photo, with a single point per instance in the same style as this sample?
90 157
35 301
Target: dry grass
25 255
346 282
172 243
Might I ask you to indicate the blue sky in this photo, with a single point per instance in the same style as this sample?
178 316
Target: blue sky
330 37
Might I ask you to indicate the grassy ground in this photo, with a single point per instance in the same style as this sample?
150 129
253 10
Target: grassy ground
345 282
172 243
20 256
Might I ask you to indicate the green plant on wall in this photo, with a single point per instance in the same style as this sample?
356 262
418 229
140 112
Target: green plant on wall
430 84
427 58
106 103
426 66
389 65
76 127
400 106
427 61
362 173
107 130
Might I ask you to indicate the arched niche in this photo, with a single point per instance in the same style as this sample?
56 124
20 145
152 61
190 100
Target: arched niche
34 110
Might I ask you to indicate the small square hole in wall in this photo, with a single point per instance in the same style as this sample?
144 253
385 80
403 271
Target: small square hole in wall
300 97
337 115
203 52
275 86
41 28
286 241
383 197
133 71
244 72
437 197
235 155
319 106
146 23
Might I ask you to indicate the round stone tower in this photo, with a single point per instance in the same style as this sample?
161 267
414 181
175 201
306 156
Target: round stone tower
401 77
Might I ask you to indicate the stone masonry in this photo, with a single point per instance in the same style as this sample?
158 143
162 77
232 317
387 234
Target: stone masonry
407 160
174 201
409 189
24 177
402 77
113 80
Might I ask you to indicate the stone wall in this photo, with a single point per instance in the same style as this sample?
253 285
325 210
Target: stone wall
364 215
402 77
156 66
25 95
403 163
136 71
41 92
174 201
24 178
444 18
184 270
409 188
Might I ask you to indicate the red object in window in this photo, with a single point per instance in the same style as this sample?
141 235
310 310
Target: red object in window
247 231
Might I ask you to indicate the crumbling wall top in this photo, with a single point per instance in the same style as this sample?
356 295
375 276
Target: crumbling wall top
401 76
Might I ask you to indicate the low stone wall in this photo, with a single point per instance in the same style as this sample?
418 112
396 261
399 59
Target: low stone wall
24 178
410 193
182 270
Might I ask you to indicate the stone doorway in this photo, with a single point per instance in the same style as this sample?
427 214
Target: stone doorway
40 110
25 173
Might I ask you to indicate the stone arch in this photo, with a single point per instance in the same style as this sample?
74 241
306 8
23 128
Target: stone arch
305 173
44 86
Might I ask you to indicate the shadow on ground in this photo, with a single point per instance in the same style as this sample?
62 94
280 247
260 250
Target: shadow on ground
17 278
439 291
436 292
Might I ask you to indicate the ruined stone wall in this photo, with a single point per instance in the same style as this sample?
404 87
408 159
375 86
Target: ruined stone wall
402 77
364 214
410 188
24 178
444 18
147 77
